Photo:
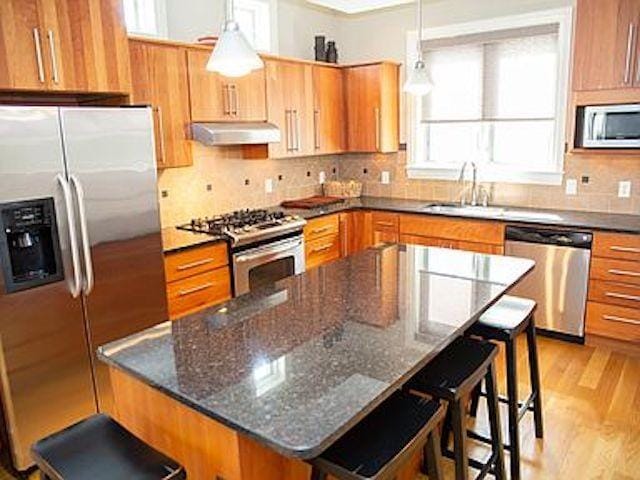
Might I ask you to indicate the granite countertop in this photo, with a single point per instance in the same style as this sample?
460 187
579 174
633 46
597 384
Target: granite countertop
296 364
174 240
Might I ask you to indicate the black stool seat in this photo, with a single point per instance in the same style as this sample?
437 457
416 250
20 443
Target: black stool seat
99 448
456 370
377 446
507 319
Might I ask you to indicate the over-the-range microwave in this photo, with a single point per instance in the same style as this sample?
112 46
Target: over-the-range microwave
609 126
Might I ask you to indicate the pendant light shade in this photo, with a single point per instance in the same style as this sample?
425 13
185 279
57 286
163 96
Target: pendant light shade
418 82
233 56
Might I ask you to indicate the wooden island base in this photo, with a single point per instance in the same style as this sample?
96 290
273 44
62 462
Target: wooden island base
206 448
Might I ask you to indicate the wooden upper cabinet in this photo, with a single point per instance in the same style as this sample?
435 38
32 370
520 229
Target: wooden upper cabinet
328 111
76 46
159 78
215 98
606 47
290 107
372 99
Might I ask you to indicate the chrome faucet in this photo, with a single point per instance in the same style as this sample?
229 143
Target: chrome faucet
474 184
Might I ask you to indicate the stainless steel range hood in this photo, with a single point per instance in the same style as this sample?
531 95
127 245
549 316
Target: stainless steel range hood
237 133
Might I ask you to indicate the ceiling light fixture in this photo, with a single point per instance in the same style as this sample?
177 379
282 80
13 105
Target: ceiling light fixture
233 56
418 82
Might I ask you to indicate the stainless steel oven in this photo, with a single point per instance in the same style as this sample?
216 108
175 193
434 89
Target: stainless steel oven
268 263
609 126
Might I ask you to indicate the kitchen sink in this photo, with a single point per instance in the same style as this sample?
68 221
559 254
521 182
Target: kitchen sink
464 210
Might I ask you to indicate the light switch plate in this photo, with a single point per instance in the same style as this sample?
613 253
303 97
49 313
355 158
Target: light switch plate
571 186
268 185
385 177
624 189
322 177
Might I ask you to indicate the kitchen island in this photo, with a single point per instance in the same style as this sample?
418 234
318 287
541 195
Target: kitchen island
249 389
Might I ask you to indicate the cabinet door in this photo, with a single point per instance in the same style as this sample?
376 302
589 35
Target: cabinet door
85 44
328 112
215 98
21 46
362 87
355 232
605 44
159 78
290 107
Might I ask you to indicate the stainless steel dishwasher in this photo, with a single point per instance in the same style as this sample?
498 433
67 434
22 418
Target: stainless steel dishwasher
560 279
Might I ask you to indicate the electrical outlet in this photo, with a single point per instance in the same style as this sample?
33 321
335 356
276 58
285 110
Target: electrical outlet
385 178
624 189
268 185
571 186
322 177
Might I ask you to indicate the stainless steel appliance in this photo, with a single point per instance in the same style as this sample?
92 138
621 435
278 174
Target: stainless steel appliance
609 126
559 281
265 245
81 258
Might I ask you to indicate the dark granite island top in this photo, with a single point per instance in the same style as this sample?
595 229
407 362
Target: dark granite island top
295 365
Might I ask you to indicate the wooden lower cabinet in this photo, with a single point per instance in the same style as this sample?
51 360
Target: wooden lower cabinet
355 232
385 227
614 293
197 278
622 323
322 250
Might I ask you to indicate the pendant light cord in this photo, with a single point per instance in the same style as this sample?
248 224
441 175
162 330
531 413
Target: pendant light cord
230 14
420 30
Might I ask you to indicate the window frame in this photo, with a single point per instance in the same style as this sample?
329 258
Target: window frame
416 143
270 7
160 14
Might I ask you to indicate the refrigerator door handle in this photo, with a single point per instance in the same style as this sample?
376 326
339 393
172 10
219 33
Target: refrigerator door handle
73 242
84 232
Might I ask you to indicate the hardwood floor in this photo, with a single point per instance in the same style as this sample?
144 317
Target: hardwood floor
591 400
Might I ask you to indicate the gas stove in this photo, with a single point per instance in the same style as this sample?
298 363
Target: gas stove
247 227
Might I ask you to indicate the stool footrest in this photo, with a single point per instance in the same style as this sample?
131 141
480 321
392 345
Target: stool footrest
523 407
484 467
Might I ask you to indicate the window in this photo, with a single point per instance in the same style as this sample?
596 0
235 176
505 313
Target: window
499 100
141 17
254 17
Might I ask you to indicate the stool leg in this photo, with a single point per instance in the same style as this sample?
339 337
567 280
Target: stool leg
494 422
475 400
534 373
446 430
460 454
317 474
433 456
512 394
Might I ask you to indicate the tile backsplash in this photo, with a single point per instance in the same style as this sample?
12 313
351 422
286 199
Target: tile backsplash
222 181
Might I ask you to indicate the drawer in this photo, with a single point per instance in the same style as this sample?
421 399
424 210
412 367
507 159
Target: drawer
193 261
385 222
198 291
427 241
613 321
474 231
616 245
614 293
619 271
321 227
322 250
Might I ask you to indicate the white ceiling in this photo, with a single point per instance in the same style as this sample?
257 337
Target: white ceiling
358 6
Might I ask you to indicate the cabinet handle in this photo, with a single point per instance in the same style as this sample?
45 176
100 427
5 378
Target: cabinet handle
322 248
321 229
377 114
225 100
386 224
316 131
199 288
624 273
614 318
161 135
627 64
234 98
287 127
622 296
198 263
36 40
54 60
616 248
297 130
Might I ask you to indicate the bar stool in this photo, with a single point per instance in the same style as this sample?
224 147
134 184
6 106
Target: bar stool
452 376
98 448
378 446
503 322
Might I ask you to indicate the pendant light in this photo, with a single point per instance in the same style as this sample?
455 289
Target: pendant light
418 82
233 56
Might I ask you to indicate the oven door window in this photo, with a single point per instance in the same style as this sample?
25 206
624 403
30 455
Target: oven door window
622 126
271 272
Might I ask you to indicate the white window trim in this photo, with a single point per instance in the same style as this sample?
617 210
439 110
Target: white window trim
564 18
162 29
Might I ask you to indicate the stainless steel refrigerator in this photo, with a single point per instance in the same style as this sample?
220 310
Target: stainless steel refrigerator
81 258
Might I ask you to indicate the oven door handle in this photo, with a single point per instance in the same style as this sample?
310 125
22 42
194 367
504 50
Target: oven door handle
268 252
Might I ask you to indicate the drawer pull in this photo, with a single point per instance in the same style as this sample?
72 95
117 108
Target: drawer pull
322 248
386 224
616 248
322 229
613 318
624 273
199 263
622 296
199 288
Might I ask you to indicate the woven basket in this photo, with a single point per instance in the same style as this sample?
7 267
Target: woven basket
350 189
